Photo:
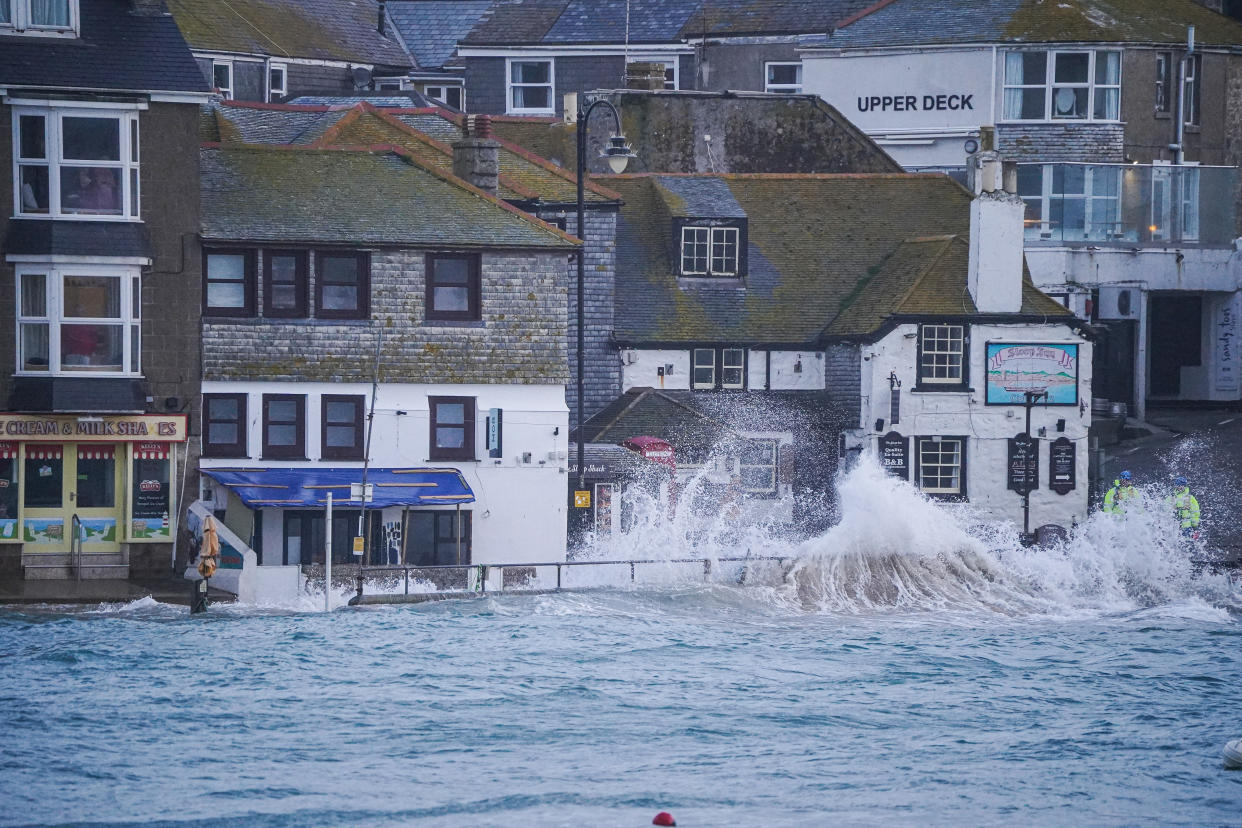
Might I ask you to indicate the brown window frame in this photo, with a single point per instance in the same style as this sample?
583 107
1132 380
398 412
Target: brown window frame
474 289
467 451
301 279
296 451
235 449
354 452
364 284
248 283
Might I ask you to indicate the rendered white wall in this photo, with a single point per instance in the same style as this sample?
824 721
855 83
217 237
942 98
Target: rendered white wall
789 370
640 368
994 275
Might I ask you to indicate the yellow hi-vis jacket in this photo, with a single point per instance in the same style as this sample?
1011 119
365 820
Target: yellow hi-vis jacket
1115 499
1185 507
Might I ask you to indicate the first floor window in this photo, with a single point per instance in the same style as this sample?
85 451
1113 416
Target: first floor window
284 426
784 78
284 283
453 96
1194 67
942 355
942 466
277 81
709 251
78 320
757 466
343 284
47 15
530 86
718 369
76 163
229 287
342 419
1072 202
453 287
452 428
1164 81
224 425
222 78
1062 85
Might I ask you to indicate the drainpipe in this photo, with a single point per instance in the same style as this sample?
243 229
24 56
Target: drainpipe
1179 150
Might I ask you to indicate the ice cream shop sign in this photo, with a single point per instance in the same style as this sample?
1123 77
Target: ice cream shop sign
166 428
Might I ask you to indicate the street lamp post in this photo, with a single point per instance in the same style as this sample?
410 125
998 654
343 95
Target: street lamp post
1030 399
618 153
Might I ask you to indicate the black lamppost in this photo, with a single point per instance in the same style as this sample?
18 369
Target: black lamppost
1030 399
618 154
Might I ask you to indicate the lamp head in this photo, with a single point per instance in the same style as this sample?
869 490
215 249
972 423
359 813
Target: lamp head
618 153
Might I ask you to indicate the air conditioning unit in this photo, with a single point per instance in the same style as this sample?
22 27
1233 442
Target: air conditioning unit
1119 303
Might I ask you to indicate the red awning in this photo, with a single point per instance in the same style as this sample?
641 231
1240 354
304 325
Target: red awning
91 451
8 451
43 451
152 451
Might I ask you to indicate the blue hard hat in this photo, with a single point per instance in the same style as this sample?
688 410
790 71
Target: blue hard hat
1179 480
1125 475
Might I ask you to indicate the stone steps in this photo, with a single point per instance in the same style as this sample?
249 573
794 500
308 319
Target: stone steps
60 566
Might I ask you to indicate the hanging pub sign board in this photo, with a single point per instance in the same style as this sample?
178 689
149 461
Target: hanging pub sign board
1062 468
895 455
1013 369
1023 467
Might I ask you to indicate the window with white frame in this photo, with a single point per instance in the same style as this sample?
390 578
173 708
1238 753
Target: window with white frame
942 466
75 163
1174 202
785 78
942 355
709 251
1164 81
277 81
1062 85
39 17
670 74
530 88
222 77
79 319
715 369
757 466
1071 202
453 96
1194 67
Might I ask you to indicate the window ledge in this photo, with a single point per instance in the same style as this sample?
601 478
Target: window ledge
312 321
283 457
942 389
463 460
454 323
226 456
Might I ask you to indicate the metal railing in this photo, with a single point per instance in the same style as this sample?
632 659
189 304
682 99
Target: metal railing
75 546
476 576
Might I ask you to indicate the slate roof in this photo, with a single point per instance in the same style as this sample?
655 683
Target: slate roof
343 30
516 21
811 239
123 46
281 124
604 21
347 197
721 18
405 100
432 28
938 22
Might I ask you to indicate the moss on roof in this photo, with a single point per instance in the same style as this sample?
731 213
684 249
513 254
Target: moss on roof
1124 21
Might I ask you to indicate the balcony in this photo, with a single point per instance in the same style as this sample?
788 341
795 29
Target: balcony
1128 204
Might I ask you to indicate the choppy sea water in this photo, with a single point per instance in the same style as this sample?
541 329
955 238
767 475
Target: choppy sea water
910 670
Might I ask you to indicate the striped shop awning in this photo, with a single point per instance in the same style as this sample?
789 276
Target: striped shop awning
152 451
43 451
91 451
8 451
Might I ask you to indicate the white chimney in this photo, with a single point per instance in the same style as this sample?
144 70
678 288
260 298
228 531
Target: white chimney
994 275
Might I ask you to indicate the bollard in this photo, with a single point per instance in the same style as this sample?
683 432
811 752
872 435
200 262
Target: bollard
198 596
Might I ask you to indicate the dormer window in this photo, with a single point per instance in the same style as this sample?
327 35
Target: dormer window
712 249
39 17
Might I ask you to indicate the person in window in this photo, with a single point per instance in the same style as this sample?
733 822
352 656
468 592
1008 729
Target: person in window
96 191
80 344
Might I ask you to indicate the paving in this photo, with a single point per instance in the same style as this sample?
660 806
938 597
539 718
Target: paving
171 589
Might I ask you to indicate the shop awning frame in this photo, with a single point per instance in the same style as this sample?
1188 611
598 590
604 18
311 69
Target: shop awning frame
307 488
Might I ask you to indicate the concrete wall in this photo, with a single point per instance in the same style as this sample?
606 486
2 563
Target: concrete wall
520 509
987 427
739 64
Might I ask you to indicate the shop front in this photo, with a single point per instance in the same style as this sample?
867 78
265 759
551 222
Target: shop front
111 479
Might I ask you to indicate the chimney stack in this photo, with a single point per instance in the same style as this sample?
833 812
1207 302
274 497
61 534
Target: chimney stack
476 156
996 238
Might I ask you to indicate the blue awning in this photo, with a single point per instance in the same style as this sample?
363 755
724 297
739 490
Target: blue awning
286 488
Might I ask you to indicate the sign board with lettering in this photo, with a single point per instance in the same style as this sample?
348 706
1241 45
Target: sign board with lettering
1225 335
582 499
495 432
895 455
1062 466
939 89
150 493
1015 368
107 428
1023 464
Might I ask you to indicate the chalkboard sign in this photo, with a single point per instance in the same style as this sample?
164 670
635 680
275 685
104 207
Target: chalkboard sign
1062 468
895 455
150 492
1023 469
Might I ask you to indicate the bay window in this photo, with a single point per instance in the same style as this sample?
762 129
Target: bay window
80 164
1062 85
76 320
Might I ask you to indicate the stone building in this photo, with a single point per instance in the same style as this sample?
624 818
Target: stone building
424 344
100 285
273 50
1123 119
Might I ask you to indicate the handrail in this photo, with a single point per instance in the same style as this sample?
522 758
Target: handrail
75 546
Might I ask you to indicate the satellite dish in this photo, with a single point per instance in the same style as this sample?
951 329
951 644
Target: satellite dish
362 77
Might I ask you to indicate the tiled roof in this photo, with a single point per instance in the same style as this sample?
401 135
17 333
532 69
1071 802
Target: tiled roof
909 22
605 21
811 240
515 21
432 28
741 17
698 197
121 47
431 123
345 30
280 124
348 196
405 100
